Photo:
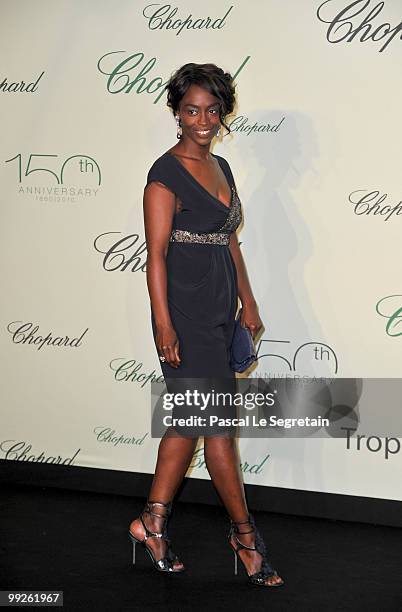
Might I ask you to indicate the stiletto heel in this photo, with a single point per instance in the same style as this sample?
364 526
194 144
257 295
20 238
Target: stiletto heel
266 570
166 564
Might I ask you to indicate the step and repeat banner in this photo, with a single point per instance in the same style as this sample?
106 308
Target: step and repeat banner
315 152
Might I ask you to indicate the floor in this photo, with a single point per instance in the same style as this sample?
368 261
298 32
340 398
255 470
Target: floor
77 542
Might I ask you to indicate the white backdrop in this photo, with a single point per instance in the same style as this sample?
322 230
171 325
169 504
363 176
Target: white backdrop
316 131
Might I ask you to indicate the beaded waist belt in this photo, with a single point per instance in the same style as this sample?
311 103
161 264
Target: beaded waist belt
212 238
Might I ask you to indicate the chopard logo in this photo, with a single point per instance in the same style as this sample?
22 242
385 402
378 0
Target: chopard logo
122 253
25 333
19 451
198 462
14 87
390 307
241 125
132 74
129 370
109 435
372 203
354 21
164 17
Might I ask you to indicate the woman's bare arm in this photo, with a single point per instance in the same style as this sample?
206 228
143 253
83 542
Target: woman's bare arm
159 207
250 317
244 289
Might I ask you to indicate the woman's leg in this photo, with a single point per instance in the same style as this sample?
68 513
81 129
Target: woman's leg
174 457
223 464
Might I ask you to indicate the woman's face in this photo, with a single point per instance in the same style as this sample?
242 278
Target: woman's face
199 115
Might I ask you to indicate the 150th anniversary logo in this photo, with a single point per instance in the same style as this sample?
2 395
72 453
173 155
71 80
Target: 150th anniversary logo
54 180
286 361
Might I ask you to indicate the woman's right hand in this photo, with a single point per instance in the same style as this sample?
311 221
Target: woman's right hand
167 343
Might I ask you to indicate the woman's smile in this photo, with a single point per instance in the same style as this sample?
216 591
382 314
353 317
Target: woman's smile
203 133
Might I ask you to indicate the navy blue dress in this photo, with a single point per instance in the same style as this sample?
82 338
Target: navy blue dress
201 274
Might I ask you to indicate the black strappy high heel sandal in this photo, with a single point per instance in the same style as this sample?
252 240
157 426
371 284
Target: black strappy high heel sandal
166 564
266 570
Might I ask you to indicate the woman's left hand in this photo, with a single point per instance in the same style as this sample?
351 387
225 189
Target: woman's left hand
251 319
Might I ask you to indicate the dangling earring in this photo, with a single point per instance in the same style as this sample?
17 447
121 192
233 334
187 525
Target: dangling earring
179 130
218 132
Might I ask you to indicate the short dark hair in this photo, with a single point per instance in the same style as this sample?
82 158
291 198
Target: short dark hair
208 76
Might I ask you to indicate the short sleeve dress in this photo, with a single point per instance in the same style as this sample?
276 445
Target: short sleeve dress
202 287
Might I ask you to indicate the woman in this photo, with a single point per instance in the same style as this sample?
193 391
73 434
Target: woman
195 273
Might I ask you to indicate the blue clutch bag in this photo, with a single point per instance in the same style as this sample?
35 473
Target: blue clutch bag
242 350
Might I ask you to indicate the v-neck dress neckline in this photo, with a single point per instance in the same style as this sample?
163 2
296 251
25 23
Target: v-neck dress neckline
226 206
